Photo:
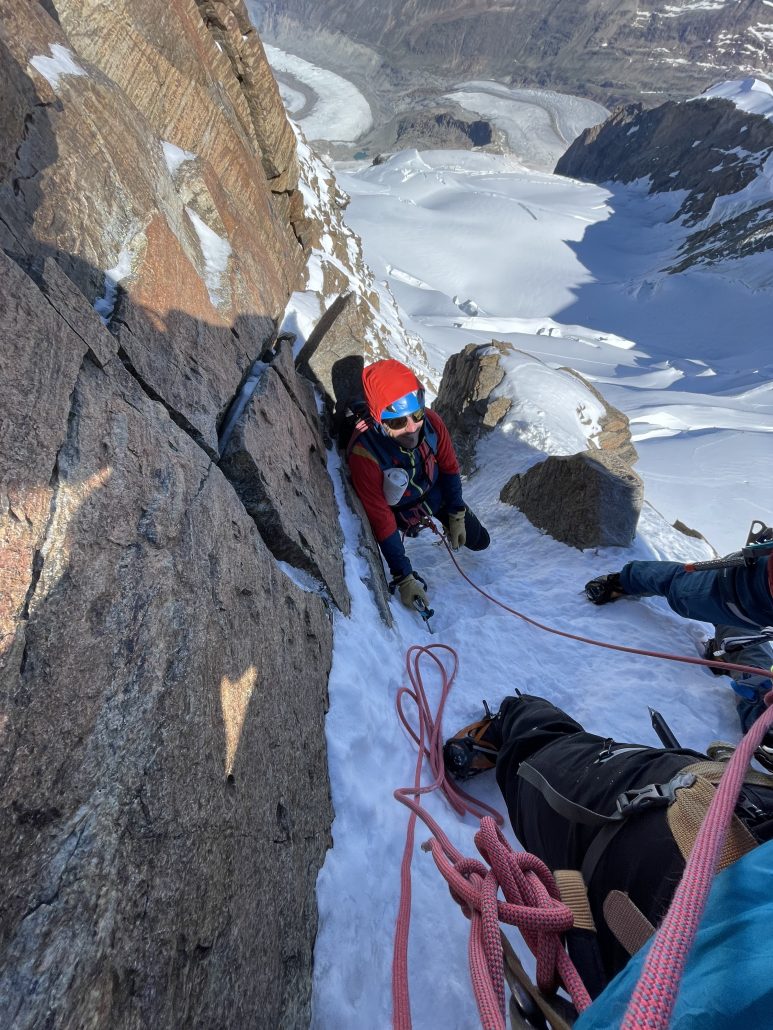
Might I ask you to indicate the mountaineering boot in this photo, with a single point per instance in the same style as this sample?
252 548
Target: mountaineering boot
474 749
604 589
709 653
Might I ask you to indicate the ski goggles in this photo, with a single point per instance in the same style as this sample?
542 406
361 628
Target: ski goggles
396 414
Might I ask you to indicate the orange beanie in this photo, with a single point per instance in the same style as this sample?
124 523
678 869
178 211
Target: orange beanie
384 382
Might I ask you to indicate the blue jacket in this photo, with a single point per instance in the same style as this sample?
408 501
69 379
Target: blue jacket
728 980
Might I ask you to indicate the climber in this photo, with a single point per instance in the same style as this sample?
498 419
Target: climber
617 819
737 599
404 469
737 595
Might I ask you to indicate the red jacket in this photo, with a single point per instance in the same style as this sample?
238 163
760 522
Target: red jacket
368 475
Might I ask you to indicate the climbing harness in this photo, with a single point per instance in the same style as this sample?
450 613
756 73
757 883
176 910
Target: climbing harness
731 645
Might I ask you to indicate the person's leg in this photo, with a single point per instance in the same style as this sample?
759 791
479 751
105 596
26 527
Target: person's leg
750 689
746 590
694 595
642 859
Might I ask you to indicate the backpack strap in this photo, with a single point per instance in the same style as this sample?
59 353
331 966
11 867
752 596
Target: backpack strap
626 921
581 940
653 795
627 804
687 813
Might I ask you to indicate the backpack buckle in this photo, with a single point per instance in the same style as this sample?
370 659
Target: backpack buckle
654 795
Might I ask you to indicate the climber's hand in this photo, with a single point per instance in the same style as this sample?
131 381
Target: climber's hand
412 590
457 532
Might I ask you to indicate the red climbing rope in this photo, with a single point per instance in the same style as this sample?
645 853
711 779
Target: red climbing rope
531 897
725 666
653 999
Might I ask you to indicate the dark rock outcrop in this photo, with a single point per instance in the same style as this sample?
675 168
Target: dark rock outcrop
591 499
464 400
709 148
164 801
276 461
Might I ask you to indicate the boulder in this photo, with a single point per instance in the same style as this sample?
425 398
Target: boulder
591 499
464 400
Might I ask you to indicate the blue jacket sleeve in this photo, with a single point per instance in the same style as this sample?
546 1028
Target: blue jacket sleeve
394 554
451 489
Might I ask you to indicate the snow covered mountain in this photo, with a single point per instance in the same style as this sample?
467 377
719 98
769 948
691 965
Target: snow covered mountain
714 154
601 49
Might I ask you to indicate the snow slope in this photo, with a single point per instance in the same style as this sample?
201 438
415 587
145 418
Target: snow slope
571 272
474 247
568 272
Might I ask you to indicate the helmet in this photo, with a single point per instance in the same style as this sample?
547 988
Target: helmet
405 405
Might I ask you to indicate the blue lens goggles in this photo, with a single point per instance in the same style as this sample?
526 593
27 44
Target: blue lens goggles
407 405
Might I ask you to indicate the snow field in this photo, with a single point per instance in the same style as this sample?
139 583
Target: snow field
341 112
571 274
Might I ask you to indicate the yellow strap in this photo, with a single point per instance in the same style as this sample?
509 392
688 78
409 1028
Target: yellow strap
574 895
626 921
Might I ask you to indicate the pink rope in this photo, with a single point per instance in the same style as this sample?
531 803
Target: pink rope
654 996
531 897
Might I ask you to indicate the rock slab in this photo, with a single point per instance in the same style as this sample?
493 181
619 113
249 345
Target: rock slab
591 499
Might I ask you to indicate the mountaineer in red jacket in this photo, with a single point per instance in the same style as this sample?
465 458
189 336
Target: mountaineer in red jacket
404 468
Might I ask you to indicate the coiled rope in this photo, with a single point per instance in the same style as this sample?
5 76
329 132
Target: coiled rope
532 901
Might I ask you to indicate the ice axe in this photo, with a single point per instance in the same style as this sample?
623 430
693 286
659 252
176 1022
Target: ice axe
425 612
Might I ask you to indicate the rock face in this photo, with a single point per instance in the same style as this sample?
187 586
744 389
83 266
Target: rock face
601 49
276 463
614 436
588 499
591 499
708 148
464 400
164 802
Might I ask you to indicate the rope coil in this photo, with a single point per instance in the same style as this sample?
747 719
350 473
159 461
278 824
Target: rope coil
532 902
